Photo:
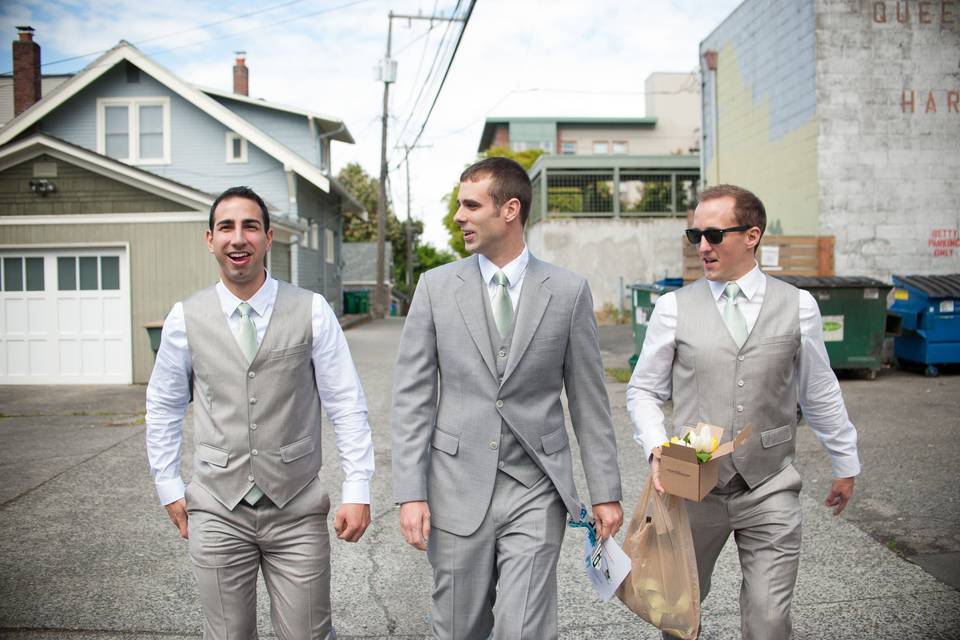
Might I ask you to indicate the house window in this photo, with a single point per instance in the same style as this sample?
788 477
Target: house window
620 147
601 147
518 146
568 148
328 245
236 148
134 130
22 274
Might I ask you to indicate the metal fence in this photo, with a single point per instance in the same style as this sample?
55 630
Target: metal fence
617 192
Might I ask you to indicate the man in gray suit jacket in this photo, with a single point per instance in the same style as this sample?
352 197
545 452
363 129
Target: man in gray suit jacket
481 460
733 349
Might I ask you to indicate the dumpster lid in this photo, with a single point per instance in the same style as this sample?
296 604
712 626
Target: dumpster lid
655 288
947 286
834 282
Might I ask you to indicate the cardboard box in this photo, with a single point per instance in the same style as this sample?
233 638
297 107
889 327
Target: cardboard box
682 475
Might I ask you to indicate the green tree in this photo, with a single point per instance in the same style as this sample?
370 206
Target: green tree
524 158
365 188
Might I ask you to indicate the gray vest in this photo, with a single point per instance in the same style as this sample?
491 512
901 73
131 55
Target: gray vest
258 423
513 459
755 385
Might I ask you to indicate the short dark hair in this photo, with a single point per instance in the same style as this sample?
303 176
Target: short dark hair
507 180
242 192
747 207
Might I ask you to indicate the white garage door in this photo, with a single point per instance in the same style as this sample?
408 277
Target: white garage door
65 316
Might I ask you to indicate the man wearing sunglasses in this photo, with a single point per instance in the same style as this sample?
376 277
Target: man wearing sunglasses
733 349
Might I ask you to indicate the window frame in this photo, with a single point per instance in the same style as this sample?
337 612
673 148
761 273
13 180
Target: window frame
133 105
626 147
606 143
573 147
329 246
230 137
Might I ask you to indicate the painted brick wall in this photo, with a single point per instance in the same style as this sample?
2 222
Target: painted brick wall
764 137
889 172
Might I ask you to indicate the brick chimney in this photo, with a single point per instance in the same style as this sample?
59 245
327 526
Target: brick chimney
26 71
241 75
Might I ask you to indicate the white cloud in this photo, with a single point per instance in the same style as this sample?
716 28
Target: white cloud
324 63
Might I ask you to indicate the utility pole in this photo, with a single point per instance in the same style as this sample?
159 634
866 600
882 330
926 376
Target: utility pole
409 225
387 75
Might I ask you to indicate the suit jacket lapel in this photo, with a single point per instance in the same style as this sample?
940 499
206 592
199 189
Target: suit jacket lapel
469 296
534 298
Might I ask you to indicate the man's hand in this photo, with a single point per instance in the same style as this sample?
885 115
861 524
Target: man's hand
415 523
840 493
655 470
608 517
351 521
177 511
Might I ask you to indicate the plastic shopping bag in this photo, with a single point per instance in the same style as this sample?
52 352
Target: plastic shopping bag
662 587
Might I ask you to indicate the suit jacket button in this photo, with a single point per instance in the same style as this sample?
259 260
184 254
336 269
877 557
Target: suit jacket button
250 477
494 445
739 383
740 358
739 408
251 375
254 452
253 401
501 464
502 353
499 403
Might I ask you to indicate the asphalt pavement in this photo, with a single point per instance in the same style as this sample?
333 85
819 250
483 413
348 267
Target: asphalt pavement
87 551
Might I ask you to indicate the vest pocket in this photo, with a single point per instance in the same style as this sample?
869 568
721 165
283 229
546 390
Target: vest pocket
773 437
554 441
213 455
288 351
445 442
296 450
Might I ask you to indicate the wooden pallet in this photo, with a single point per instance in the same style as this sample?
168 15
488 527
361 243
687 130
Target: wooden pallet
796 256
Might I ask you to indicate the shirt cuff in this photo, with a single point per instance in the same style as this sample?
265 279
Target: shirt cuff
846 466
650 441
170 490
356 492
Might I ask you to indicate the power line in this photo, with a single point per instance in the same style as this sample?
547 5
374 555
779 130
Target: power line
177 33
453 55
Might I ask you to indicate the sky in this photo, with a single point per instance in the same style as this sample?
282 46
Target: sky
516 58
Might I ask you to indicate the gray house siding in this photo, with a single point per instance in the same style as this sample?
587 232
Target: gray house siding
289 129
197 141
325 210
78 191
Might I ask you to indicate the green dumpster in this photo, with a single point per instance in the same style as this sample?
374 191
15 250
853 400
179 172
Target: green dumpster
854 312
644 298
363 301
356 302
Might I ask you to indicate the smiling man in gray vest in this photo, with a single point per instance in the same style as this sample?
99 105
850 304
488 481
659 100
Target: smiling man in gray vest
741 348
481 460
258 357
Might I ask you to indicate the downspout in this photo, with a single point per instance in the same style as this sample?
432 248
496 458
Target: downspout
295 260
710 58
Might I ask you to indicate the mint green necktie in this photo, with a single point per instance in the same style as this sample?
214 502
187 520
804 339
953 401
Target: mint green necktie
247 339
732 316
502 305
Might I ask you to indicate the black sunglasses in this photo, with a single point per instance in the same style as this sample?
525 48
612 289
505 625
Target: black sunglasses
714 236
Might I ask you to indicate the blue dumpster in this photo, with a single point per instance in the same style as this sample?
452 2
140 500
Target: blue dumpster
929 308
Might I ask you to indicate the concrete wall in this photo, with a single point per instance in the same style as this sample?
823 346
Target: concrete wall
674 100
168 262
637 250
640 140
888 96
765 134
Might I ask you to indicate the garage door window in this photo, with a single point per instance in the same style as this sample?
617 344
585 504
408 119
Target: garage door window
22 274
94 273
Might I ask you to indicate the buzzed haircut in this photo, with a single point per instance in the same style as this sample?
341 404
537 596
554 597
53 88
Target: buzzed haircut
507 180
747 207
242 192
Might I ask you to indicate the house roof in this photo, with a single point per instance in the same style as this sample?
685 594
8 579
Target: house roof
43 144
125 51
490 125
332 127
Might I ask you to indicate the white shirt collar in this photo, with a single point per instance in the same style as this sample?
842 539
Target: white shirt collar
259 301
513 269
750 284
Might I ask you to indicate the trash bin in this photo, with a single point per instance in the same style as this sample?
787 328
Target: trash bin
154 329
854 312
929 308
349 303
644 298
363 301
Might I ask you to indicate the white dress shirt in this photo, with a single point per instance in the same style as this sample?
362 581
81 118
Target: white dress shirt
338 386
651 384
514 270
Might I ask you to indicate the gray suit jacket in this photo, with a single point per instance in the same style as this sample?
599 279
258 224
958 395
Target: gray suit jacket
448 403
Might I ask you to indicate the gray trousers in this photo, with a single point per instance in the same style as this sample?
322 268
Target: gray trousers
765 524
290 545
503 577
